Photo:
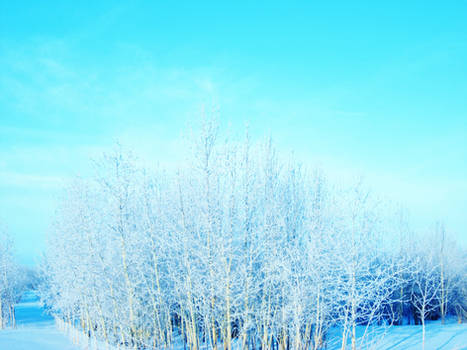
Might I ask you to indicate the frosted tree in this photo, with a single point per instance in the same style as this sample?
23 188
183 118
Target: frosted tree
452 264
11 282
425 282
364 275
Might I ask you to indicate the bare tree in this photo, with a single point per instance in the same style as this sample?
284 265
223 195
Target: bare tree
425 283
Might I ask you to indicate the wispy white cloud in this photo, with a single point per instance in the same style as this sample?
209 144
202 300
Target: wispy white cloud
9 179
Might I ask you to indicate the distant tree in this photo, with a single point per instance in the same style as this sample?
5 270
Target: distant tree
12 282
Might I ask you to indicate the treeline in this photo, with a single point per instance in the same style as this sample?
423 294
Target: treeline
239 248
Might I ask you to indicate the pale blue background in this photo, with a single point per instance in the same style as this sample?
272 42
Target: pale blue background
360 88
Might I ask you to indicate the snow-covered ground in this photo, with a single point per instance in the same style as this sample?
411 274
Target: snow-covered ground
451 336
35 330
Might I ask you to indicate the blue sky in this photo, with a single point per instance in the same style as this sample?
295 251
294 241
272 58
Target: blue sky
363 88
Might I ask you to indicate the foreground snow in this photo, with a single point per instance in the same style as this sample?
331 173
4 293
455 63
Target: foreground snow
35 330
451 336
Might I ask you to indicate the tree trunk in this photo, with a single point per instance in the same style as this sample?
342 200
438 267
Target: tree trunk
2 322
